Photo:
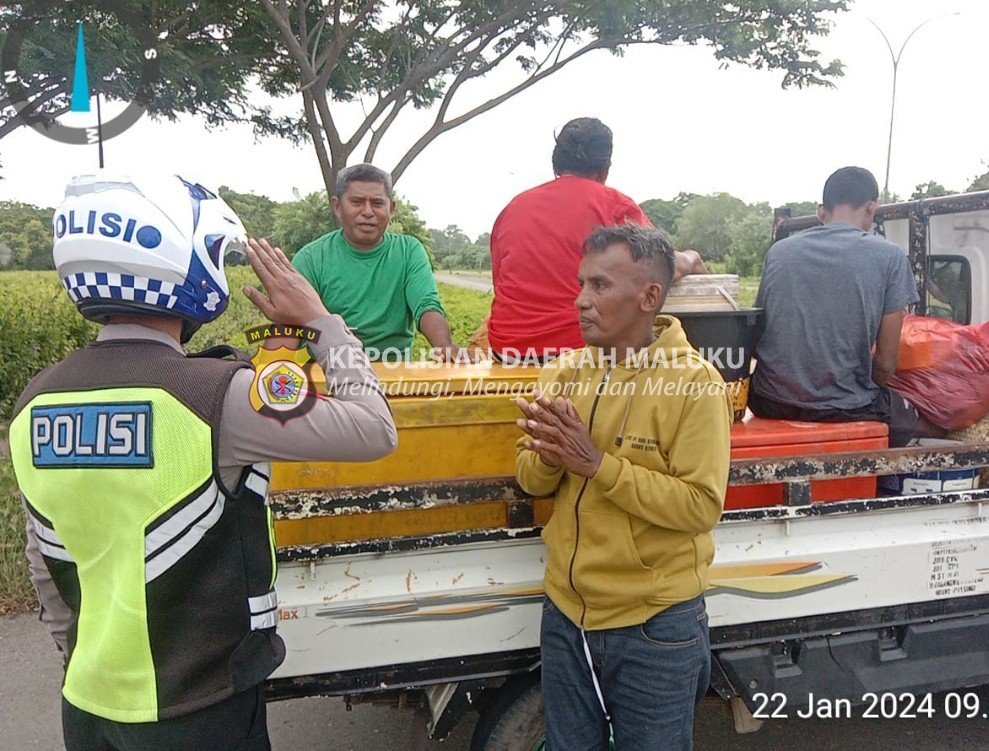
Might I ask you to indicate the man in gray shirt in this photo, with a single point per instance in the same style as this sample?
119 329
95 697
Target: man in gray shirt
829 295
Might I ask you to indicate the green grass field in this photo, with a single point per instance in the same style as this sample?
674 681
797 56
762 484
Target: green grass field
747 288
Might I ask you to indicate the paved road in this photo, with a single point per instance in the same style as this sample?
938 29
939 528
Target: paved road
467 281
30 672
29 706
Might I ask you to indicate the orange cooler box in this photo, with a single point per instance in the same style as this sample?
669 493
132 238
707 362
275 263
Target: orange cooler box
756 438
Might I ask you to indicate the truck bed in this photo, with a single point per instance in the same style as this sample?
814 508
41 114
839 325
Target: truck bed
413 607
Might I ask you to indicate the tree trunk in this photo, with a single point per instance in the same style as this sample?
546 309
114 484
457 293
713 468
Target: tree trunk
327 163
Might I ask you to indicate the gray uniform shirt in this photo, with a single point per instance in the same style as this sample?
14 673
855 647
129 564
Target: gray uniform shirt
824 292
355 425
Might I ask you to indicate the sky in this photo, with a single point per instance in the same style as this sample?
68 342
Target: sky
681 123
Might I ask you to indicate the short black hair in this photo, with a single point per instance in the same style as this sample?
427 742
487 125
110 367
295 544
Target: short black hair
361 173
646 244
850 186
583 147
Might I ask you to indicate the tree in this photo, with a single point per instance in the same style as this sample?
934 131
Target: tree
256 212
751 235
421 54
448 244
801 208
666 214
205 54
27 231
308 217
707 222
302 220
930 189
980 183
406 221
478 253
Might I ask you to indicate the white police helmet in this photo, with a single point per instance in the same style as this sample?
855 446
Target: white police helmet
146 246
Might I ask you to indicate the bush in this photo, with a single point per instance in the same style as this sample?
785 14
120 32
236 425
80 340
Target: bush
39 326
465 310
16 592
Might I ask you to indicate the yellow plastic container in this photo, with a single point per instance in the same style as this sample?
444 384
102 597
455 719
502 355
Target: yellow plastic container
454 422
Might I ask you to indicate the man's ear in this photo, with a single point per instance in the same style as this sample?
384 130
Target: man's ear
822 213
335 203
652 297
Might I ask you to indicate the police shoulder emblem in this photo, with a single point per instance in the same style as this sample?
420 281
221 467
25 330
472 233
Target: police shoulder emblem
282 387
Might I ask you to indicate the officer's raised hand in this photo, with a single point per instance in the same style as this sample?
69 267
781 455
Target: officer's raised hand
291 299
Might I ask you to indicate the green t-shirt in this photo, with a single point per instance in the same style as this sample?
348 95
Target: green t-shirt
380 293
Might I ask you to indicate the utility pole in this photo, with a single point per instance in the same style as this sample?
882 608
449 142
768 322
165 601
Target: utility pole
895 57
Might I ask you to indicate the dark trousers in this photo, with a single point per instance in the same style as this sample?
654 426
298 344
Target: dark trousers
889 407
235 724
651 676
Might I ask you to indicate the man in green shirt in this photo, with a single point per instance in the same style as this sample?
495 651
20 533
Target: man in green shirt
380 283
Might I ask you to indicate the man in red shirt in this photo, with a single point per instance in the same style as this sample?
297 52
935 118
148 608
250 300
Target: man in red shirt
536 246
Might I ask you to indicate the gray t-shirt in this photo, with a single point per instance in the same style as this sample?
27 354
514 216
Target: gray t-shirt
824 292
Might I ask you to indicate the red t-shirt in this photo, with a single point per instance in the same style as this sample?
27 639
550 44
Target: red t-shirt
535 254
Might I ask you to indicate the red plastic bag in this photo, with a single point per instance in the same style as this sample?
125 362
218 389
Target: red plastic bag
943 370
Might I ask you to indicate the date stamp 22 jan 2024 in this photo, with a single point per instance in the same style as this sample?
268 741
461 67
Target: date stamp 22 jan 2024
879 706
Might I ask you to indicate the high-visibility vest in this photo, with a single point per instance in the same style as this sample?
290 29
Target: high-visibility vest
169 575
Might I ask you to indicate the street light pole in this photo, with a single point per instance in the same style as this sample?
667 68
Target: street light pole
895 57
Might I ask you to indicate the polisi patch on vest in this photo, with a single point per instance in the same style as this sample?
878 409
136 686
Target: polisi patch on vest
92 435
107 224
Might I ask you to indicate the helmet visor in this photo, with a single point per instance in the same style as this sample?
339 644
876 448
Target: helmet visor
230 249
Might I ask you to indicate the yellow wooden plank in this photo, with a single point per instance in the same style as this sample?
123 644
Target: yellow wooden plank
399 380
454 411
423 454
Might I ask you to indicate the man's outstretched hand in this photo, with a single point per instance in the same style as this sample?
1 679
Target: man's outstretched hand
291 299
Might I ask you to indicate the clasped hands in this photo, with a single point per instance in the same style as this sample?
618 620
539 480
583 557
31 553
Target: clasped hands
558 435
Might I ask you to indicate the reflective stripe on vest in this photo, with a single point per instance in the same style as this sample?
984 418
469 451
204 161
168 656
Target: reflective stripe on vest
264 610
48 542
165 545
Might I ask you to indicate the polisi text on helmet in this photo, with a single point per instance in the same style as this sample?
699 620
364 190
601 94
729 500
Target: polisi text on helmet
107 224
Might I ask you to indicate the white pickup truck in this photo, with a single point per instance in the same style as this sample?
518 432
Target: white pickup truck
417 579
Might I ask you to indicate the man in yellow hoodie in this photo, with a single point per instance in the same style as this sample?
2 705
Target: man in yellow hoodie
632 436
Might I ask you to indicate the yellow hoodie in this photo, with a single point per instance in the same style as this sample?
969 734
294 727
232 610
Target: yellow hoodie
635 538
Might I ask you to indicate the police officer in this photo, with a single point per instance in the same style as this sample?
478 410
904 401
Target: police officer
144 471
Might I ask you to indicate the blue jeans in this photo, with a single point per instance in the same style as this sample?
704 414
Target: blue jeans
652 676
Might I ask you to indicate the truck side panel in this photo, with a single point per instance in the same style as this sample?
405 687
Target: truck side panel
347 612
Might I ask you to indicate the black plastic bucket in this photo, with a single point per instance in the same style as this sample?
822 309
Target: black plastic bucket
725 338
